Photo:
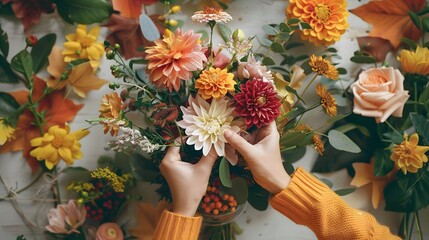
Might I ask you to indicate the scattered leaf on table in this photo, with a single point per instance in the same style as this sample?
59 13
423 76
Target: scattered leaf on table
29 12
375 46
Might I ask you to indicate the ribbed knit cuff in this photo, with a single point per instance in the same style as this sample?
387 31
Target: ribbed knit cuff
172 226
298 200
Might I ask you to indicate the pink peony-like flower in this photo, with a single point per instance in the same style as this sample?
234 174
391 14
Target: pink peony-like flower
253 69
29 11
174 58
66 218
258 103
379 93
109 231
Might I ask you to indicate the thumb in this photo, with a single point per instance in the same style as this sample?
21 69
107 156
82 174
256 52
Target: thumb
237 142
207 162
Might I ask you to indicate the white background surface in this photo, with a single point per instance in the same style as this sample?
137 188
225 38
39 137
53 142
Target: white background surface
248 15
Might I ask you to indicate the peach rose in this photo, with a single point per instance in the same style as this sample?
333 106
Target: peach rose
109 231
379 93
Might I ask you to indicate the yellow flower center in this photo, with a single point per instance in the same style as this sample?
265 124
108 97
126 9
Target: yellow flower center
57 142
261 100
111 232
86 42
213 126
322 12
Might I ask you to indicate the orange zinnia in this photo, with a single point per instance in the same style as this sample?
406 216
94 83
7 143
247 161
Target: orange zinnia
327 18
215 83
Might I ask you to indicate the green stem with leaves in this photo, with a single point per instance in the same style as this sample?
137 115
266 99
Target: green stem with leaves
308 85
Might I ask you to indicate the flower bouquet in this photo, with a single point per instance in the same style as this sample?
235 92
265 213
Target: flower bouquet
389 117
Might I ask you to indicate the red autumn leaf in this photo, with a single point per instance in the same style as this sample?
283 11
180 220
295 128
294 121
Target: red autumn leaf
375 46
390 19
58 111
29 11
127 32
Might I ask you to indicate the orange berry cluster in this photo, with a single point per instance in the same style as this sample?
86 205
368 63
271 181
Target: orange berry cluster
214 203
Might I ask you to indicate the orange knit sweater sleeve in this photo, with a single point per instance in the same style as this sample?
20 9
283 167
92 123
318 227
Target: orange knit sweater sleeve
308 201
172 226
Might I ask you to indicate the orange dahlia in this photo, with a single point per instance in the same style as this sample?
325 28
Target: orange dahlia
215 83
174 58
327 18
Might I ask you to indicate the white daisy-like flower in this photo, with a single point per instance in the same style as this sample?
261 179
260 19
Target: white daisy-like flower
205 122
211 14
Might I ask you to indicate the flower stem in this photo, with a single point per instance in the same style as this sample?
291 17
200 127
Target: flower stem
416 216
211 24
393 128
308 85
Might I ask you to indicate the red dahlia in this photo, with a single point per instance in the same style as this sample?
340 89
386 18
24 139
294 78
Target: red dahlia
257 103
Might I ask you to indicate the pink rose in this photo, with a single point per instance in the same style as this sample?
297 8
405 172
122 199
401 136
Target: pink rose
109 231
379 93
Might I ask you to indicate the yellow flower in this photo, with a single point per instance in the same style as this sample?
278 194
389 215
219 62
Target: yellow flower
327 100
6 132
415 62
327 18
84 45
58 143
409 156
117 182
318 144
215 83
323 67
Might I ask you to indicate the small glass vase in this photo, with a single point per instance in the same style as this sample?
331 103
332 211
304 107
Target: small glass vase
222 219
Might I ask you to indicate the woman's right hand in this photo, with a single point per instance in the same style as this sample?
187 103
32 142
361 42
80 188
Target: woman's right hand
263 157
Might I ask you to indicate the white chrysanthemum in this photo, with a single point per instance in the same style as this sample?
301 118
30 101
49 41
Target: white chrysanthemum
205 122
211 14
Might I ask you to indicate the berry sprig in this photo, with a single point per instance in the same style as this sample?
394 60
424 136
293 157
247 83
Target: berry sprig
215 204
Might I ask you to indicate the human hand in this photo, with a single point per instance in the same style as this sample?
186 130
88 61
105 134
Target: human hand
187 182
263 157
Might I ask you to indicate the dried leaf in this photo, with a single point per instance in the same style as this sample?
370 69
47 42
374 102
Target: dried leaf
375 47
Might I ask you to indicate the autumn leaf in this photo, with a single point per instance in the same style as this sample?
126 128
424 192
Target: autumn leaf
375 46
29 12
81 78
390 19
127 33
57 111
130 8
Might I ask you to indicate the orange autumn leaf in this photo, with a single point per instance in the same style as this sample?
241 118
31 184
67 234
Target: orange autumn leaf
81 78
130 8
57 109
390 19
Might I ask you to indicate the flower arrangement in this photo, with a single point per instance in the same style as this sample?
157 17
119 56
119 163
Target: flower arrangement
172 87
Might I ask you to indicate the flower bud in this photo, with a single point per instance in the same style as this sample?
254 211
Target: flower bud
31 40
238 35
110 54
175 9
172 22
116 46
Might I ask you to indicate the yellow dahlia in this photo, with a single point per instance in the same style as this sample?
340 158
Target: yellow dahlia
327 100
84 45
6 132
327 18
174 58
58 143
215 83
409 156
415 61
323 67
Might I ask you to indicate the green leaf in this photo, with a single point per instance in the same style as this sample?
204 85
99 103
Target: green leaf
342 71
421 124
292 139
345 191
283 36
340 141
332 50
288 167
292 21
84 11
6 73
425 23
277 47
137 61
269 30
264 41
291 90
337 118
268 61
224 31
143 169
258 197
304 25
411 44
224 174
382 163
423 11
4 43
23 63
408 193
21 237
327 182
294 155
284 28
8 104
415 18
76 62
41 51
73 170
306 67
290 45
239 190
363 59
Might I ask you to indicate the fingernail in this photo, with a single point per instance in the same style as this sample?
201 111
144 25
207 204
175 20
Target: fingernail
227 133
